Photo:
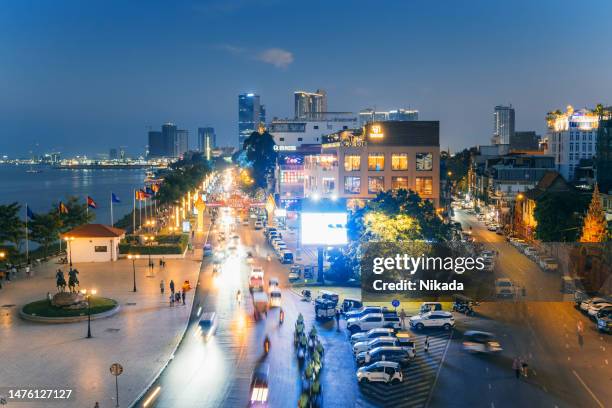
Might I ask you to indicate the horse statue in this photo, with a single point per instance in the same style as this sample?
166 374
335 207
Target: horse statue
60 281
73 280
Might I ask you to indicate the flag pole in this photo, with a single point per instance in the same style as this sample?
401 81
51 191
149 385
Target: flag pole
134 213
26 237
139 212
87 206
111 199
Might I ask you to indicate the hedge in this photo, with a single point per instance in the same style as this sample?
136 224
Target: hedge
166 245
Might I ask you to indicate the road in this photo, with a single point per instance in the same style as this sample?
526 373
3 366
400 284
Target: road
563 373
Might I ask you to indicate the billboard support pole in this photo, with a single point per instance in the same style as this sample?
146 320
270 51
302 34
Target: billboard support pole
320 274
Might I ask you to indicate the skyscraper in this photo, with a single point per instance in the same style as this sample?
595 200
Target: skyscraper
503 124
207 140
181 142
169 138
157 147
250 114
170 142
309 104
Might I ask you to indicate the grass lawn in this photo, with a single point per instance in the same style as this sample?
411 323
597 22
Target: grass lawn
44 309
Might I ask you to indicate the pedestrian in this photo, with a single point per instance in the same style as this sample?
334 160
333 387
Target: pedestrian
177 297
403 318
183 296
171 299
172 287
162 286
97 405
524 366
27 270
337 320
426 347
516 366
161 262
580 332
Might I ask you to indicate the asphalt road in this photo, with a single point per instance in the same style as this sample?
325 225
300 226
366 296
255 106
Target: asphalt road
562 372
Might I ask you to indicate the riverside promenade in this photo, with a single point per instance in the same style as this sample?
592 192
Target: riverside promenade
141 337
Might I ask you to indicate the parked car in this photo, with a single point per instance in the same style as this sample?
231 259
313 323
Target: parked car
350 304
430 306
387 372
604 320
480 342
549 264
437 319
388 353
586 303
594 308
364 310
504 288
372 334
377 342
530 252
371 321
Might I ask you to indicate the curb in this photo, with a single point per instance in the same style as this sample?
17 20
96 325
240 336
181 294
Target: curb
182 336
70 319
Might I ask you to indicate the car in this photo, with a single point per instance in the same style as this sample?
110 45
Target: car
549 264
350 304
245 222
387 353
275 297
586 303
259 386
499 231
258 225
492 227
436 319
270 230
476 341
489 264
208 249
594 308
430 306
281 246
274 240
362 311
207 325
372 344
273 282
604 320
504 288
293 276
363 323
286 257
387 372
372 334
531 252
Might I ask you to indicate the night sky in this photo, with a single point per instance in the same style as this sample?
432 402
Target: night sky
85 76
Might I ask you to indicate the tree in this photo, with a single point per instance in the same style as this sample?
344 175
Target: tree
558 216
595 227
260 153
77 214
11 226
45 229
340 268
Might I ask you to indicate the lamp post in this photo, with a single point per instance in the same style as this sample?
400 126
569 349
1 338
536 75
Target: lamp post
88 294
134 258
68 241
149 242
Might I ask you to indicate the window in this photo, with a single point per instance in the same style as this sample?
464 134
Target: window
590 147
300 139
571 156
399 161
282 139
376 162
424 185
571 147
376 184
352 163
329 184
424 161
316 126
584 136
352 185
101 249
398 183
590 135
584 147
344 127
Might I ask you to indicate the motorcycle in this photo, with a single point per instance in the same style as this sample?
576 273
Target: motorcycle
306 295
266 345
281 317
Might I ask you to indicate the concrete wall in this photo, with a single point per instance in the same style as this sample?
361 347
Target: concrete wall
84 249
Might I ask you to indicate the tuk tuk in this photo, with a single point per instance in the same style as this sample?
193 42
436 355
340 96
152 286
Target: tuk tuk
324 309
349 304
328 295
463 304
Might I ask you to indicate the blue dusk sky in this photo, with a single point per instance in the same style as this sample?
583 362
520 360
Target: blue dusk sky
84 76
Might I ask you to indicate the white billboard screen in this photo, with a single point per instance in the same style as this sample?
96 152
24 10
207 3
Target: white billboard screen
325 229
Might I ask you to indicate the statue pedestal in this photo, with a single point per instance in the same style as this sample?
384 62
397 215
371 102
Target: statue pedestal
69 300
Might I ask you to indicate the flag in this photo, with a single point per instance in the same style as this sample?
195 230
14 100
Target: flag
155 187
114 198
62 208
143 194
150 191
91 203
29 213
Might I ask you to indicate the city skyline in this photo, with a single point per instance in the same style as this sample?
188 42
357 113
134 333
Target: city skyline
119 90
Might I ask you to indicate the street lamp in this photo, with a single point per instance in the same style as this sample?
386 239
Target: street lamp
149 242
68 241
88 295
134 258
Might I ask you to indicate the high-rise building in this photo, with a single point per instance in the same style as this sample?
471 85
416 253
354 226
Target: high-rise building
503 124
309 104
181 142
250 114
113 154
206 138
572 136
169 138
370 115
157 146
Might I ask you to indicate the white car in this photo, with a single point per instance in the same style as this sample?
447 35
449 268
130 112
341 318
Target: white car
377 342
258 225
504 288
275 298
383 371
372 334
436 319
372 321
594 308
549 264
584 305
531 252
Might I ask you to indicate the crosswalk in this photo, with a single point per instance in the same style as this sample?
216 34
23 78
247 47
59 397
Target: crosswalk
419 377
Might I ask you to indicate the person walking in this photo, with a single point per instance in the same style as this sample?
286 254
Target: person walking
27 270
403 319
171 299
426 346
580 332
183 295
96 405
162 287
337 320
172 287
177 297
516 366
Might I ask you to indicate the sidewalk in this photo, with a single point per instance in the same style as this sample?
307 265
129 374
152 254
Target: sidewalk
141 336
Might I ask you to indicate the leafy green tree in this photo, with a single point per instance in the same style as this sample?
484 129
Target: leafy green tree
341 267
558 216
45 229
260 153
12 228
185 175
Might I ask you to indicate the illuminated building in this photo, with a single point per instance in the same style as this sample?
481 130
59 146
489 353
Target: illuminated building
250 114
392 155
503 124
293 133
572 136
308 105
371 115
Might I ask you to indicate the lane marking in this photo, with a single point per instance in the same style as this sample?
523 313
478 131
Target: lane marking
588 389
433 387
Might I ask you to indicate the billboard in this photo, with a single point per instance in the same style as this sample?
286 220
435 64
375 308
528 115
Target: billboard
323 228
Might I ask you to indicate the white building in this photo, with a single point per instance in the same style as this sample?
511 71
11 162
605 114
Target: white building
290 133
93 243
371 115
572 136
